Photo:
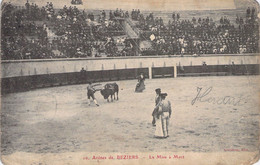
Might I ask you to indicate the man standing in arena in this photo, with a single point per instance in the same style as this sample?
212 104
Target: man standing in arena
165 110
157 101
91 91
164 115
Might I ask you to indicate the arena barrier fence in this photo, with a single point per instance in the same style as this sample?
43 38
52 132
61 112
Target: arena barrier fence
162 72
25 83
218 70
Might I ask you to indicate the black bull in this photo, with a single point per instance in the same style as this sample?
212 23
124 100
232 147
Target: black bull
110 89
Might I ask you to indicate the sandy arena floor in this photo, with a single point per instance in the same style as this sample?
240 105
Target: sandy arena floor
56 120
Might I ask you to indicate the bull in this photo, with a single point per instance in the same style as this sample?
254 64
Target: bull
110 89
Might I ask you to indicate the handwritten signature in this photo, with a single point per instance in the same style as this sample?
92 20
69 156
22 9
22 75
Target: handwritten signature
203 96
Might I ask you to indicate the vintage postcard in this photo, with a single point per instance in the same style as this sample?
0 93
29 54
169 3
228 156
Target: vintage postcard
130 82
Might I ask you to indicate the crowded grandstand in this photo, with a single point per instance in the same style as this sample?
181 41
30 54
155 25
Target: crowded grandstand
45 32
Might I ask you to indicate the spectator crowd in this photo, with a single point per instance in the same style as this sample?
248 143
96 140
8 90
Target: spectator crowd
33 32
200 36
76 2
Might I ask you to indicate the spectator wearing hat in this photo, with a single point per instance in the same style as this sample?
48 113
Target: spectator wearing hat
163 116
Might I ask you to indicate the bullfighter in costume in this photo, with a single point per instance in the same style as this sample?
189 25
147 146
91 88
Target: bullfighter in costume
163 116
157 101
91 91
140 85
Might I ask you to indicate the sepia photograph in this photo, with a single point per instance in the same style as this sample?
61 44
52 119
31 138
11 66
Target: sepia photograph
130 82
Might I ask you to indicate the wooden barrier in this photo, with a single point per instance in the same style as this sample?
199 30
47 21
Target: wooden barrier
24 83
162 72
218 70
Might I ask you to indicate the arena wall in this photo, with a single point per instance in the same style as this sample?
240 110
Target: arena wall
38 67
32 74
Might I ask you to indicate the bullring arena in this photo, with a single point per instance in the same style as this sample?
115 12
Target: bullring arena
59 119
206 60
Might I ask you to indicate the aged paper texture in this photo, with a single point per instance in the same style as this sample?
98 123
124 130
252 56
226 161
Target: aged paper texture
130 82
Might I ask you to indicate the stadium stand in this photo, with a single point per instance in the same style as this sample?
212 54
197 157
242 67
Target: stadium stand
34 32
